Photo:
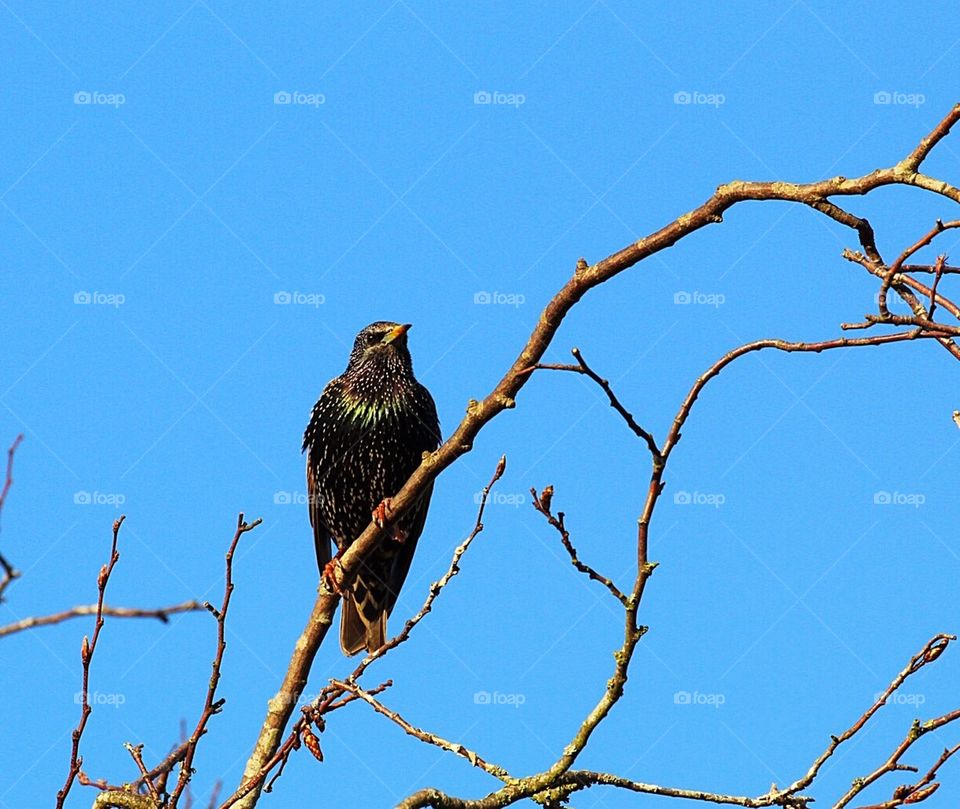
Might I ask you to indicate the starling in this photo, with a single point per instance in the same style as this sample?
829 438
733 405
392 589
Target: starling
367 434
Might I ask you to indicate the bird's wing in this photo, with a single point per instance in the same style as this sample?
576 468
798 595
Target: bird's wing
321 539
404 556
429 438
317 445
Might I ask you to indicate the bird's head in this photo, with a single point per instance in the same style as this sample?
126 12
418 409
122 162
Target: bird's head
382 346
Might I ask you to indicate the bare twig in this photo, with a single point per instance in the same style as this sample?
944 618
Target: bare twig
542 503
136 753
87 650
422 735
938 274
897 265
582 368
921 789
161 614
912 793
211 704
9 571
214 795
929 653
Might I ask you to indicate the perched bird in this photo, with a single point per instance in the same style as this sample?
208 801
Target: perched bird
367 434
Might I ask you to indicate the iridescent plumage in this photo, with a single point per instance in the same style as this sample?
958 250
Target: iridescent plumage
367 434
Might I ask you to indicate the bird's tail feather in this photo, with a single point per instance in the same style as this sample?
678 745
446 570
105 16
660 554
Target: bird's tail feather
355 633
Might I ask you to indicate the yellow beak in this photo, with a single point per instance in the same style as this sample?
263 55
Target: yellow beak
396 332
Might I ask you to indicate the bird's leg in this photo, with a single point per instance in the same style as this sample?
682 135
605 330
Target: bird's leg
380 517
380 512
328 576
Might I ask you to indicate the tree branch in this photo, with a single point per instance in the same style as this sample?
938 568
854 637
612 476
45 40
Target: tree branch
87 650
161 614
542 503
211 704
9 571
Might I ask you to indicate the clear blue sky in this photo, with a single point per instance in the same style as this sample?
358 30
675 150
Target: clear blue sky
182 199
